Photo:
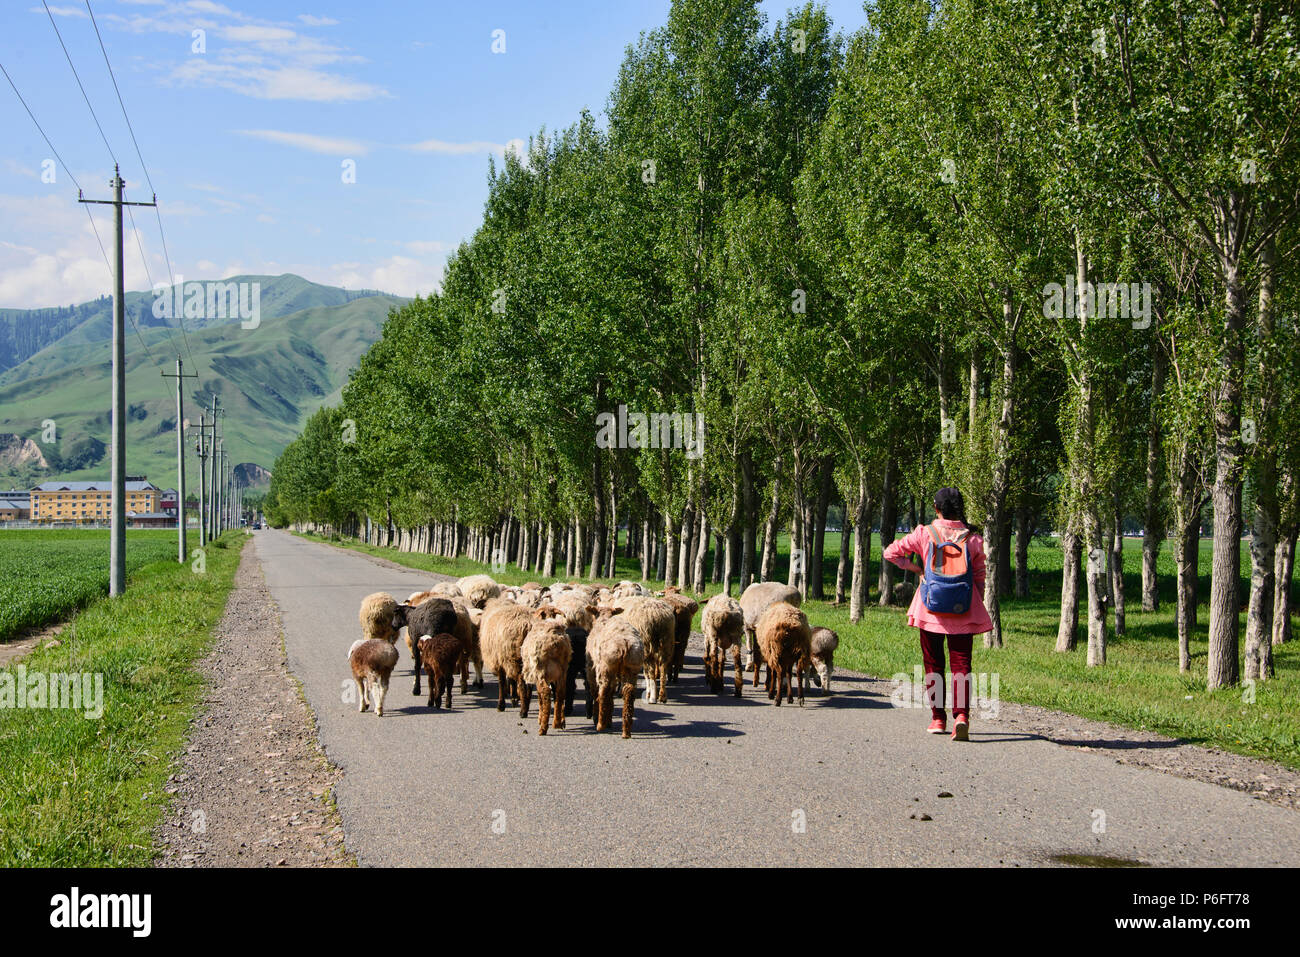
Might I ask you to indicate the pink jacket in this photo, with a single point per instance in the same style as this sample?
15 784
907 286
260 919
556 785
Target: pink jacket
974 621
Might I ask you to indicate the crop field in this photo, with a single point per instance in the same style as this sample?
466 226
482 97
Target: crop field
46 574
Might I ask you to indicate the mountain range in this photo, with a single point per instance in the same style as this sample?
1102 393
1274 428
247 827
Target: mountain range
56 365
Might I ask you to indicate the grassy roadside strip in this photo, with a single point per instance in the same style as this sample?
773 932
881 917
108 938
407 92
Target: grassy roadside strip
1140 686
84 792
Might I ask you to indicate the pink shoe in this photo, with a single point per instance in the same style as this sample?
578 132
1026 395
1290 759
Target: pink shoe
937 726
961 728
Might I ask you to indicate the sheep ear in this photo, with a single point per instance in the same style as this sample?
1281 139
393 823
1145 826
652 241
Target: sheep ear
591 609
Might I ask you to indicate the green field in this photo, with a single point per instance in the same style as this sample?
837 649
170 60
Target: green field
1139 687
79 791
47 573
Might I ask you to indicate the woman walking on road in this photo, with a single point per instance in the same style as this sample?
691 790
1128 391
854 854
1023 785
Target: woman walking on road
948 604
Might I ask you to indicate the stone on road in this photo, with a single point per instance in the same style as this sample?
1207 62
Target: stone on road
713 780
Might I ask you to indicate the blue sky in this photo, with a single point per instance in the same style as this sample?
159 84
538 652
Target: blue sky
245 141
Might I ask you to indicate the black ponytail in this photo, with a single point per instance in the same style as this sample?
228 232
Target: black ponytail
949 503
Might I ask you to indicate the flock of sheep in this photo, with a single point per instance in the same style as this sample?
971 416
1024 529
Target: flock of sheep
546 636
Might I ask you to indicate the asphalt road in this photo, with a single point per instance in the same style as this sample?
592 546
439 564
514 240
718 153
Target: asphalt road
712 780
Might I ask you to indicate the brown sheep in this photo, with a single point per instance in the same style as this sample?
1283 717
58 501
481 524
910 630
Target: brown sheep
655 619
615 656
377 615
822 652
546 652
501 633
372 661
723 623
757 598
684 610
440 654
784 640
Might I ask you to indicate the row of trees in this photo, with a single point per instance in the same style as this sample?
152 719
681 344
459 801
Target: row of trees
1040 250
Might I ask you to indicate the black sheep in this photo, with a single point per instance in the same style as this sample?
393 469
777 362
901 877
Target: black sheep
577 665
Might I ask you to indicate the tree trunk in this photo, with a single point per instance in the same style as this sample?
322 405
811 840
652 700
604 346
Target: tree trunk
749 511
698 582
1000 487
1153 523
1189 547
1067 630
1117 569
1284 559
768 567
888 523
1263 531
1024 532
1225 575
841 571
861 551
816 580
670 547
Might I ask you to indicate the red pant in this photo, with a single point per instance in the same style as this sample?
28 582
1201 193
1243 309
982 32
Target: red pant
963 692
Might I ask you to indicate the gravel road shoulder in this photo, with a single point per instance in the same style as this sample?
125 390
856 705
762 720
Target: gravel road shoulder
254 788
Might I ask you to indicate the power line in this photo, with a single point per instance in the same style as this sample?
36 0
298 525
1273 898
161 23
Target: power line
180 318
76 76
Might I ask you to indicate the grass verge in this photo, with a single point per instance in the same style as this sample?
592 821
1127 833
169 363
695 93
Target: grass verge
86 792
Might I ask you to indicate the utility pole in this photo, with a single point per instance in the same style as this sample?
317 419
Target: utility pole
180 456
203 484
212 476
117 537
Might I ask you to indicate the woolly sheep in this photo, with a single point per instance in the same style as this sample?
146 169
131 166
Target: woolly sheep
655 620
546 653
784 640
372 661
478 590
723 623
822 652
615 656
376 617
684 609
440 655
757 598
501 633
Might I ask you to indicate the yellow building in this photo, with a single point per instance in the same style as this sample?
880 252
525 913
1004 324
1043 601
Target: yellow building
90 501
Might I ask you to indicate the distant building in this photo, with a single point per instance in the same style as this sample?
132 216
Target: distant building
92 501
13 510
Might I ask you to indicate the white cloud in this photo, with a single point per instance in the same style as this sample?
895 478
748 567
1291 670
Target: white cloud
461 149
277 83
424 248
314 21
68 266
329 145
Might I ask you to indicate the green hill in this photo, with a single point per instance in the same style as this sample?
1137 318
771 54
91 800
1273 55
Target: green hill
268 379
41 334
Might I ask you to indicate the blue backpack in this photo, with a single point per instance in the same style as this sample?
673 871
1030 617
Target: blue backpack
947 594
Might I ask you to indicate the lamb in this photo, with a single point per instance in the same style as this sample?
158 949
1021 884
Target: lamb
822 652
446 590
655 619
784 640
376 616
434 616
501 633
373 660
723 623
440 654
757 598
684 610
546 653
478 590
615 655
